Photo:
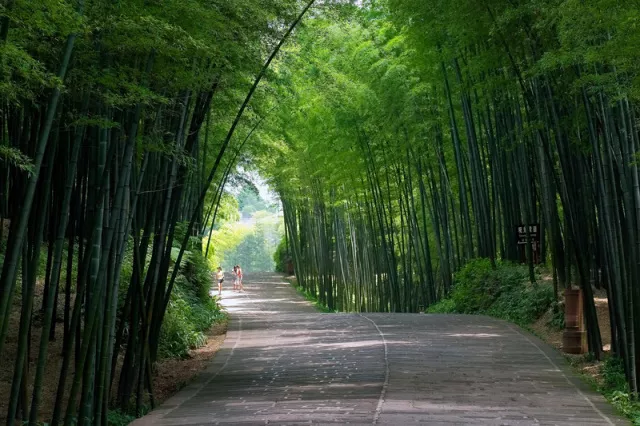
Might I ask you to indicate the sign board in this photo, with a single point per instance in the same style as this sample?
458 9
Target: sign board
526 233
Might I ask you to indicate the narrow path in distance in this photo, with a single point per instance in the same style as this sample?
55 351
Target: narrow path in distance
285 363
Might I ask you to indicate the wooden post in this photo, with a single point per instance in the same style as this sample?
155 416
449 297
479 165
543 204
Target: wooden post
574 337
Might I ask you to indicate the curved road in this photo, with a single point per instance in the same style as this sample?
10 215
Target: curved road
284 363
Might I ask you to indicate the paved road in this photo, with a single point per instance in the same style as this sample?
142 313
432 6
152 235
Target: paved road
284 363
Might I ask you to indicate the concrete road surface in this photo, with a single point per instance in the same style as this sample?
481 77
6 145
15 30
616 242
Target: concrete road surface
284 363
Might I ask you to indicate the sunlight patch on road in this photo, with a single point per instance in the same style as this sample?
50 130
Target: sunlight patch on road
474 335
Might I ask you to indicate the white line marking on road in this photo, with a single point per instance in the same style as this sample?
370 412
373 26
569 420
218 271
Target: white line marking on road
385 385
586 398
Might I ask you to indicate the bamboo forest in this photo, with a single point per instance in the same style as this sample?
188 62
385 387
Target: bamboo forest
407 143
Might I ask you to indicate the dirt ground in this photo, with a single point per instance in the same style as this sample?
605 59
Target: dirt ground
54 360
172 374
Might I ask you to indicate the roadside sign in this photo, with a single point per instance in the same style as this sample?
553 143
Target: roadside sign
526 233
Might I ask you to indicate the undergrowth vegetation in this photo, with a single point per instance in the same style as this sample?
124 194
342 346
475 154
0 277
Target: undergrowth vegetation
280 256
611 382
502 292
118 418
191 311
556 322
309 296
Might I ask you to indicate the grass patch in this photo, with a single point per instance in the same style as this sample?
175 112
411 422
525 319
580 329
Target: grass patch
118 418
608 378
313 299
615 388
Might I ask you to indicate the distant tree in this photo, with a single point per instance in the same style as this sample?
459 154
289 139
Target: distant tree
250 201
252 254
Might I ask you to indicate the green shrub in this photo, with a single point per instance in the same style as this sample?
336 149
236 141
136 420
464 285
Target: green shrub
198 276
280 256
185 323
615 388
502 292
625 404
191 311
176 332
523 305
613 377
478 285
445 306
475 288
556 321
118 418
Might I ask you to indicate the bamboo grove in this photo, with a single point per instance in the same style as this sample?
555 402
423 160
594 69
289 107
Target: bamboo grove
404 137
413 136
115 117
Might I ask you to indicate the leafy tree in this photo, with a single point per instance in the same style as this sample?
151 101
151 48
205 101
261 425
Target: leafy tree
249 201
252 254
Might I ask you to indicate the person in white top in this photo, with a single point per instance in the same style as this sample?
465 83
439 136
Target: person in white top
220 279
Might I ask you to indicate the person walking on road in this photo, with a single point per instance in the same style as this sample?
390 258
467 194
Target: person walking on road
220 279
239 275
235 278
